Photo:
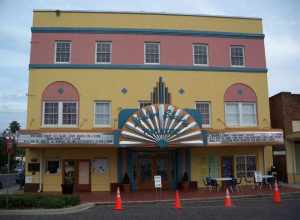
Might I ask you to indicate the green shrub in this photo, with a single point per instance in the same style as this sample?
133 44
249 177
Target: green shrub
38 201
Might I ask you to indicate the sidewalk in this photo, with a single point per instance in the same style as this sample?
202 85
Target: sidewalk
11 190
294 186
199 195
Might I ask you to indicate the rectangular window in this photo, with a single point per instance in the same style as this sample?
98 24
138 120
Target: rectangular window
237 54
200 54
103 52
52 166
62 51
51 113
60 114
240 114
152 53
103 114
245 165
145 103
69 114
205 110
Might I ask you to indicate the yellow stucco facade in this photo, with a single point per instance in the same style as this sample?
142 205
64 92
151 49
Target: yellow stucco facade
95 85
106 84
146 21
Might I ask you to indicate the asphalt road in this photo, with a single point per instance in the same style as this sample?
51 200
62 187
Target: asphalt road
245 209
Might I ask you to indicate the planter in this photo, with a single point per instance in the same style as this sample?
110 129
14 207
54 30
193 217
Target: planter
126 187
67 188
185 186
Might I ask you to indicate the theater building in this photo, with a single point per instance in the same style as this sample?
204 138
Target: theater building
144 94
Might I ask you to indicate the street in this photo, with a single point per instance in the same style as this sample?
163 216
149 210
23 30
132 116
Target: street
246 209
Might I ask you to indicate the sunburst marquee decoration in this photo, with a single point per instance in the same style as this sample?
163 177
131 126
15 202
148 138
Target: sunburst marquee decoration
160 125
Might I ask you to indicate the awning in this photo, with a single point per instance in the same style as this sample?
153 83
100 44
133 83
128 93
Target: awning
294 136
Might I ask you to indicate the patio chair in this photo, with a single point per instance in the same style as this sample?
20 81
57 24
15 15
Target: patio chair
210 183
236 183
270 182
228 184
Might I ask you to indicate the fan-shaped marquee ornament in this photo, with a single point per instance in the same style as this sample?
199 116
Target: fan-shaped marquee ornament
160 125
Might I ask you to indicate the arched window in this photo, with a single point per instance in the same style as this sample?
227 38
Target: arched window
60 105
240 106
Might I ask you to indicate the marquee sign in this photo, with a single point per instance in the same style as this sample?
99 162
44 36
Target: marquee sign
245 137
57 138
160 125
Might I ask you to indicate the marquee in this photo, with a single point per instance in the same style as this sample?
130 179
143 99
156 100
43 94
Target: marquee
161 125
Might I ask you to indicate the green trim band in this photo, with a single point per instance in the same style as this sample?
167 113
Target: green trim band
146 32
148 67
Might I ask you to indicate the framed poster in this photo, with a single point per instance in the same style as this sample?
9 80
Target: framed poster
100 166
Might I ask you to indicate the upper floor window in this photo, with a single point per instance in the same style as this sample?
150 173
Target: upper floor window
240 114
152 53
102 114
103 52
240 106
145 103
62 51
61 114
205 109
237 54
200 54
60 105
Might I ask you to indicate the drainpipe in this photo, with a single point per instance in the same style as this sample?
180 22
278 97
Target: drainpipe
41 171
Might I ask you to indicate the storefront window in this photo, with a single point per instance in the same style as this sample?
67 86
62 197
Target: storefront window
245 165
52 166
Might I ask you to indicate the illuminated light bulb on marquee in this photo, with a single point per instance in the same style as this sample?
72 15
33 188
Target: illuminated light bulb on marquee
160 125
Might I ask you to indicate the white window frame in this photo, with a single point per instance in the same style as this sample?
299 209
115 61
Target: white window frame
96 52
209 111
55 47
58 169
245 156
60 115
240 124
110 115
207 57
244 58
158 53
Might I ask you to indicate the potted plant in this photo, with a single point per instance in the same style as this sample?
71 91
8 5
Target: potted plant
69 177
185 182
126 183
68 185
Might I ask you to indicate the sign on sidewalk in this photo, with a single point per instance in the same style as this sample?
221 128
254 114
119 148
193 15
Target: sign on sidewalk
157 181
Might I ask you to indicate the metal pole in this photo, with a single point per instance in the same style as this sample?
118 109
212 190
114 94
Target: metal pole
7 179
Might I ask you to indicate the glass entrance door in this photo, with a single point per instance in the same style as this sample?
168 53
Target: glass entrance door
149 165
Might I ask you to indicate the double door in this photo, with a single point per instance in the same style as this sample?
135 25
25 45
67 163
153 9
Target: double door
149 166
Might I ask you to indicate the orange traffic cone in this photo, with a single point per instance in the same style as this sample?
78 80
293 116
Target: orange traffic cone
118 201
177 204
227 199
276 195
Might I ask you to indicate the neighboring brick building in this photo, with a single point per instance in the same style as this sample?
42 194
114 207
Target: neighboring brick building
285 114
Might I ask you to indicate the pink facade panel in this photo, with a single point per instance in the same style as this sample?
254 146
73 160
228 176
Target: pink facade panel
129 49
239 93
60 91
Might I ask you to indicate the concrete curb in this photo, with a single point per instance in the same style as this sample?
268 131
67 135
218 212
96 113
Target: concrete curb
85 206
62 211
202 199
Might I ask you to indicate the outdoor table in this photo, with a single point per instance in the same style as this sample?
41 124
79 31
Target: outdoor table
223 180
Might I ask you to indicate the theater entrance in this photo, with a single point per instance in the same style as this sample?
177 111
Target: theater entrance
149 164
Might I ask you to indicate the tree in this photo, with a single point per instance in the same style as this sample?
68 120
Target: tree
14 126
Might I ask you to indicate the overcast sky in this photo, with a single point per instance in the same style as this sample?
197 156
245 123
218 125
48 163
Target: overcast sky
281 22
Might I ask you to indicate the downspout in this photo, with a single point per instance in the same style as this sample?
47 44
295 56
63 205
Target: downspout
41 171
